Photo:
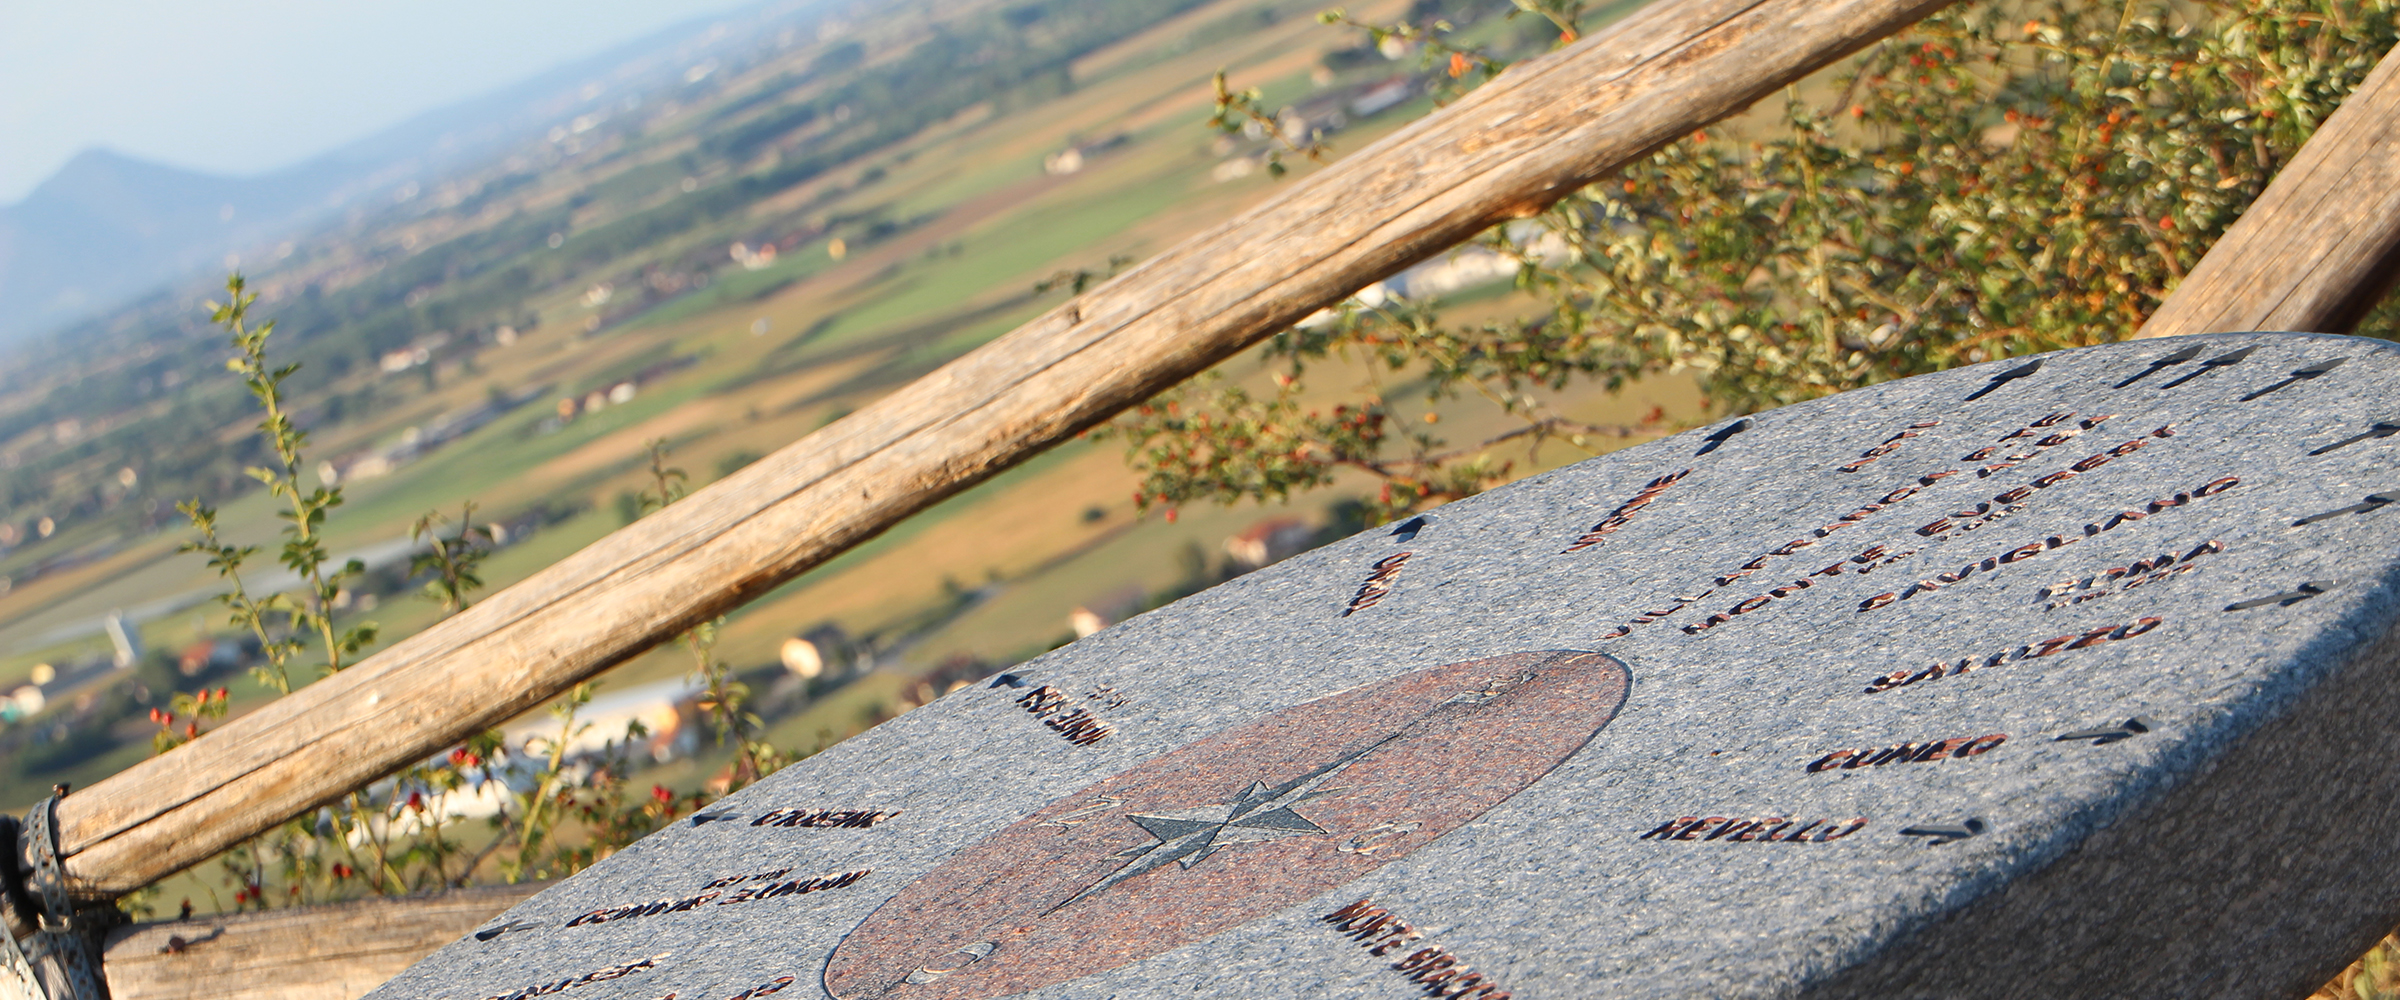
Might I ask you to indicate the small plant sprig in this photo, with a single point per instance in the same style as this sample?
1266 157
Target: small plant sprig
1075 280
303 616
1464 67
1567 15
534 826
723 696
190 710
667 484
453 564
399 835
726 701
303 550
1237 111
567 786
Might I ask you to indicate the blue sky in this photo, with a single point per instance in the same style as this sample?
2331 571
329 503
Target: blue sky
243 86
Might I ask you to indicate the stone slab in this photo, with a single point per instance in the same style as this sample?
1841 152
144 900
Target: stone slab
2066 676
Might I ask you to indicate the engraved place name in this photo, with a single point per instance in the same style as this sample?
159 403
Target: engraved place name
1889 445
2033 439
1866 560
2038 435
1379 931
1433 969
2141 572
768 876
651 909
1381 578
2014 499
1078 725
822 883
2048 432
2048 647
1954 748
2031 549
774 985
840 819
1623 515
1793 547
1755 829
603 975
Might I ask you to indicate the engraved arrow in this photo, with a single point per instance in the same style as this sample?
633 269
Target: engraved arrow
1721 435
2299 375
2104 735
1945 834
2307 590
509 927
2210 366
2373 502
2169 361
2006 377
2380 429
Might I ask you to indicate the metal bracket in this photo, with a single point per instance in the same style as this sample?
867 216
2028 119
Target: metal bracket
60 960
16 971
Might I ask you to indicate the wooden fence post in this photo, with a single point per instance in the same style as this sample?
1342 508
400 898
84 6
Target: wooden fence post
335 952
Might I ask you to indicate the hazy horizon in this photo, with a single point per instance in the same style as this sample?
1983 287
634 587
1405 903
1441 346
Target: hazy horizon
246 87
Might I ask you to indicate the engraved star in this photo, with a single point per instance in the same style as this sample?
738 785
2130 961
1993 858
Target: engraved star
1257 814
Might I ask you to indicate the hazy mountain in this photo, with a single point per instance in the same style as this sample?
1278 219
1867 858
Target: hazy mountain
107 227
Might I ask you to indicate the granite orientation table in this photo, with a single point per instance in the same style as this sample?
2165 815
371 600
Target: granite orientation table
2067 676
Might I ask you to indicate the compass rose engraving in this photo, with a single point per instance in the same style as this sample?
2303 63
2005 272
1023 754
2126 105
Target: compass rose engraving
1243 823
1256 815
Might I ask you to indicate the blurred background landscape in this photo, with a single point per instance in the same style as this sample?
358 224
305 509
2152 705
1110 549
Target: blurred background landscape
724 234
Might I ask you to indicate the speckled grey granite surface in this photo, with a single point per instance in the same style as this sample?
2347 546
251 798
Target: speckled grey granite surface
2237 844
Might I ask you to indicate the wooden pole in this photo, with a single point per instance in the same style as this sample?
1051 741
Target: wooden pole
2321 245
332 952
1511 148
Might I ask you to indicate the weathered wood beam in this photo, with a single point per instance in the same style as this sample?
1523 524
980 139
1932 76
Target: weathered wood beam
1543 129
2321 245
332 952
